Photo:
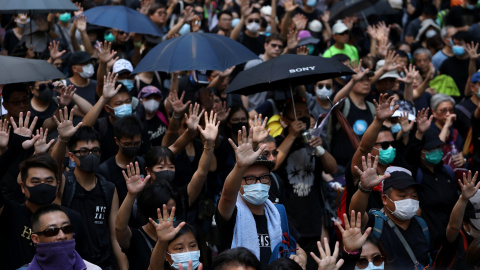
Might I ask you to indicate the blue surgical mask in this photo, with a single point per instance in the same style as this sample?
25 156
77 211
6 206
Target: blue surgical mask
396 128
235 22
458 50
268 30
109 37
123 110
470 7
184 30
386 157
256 194
371 266
311 3
184 257
127 83
478 92
65 17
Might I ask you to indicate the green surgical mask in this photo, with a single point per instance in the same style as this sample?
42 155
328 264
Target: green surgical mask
310 48
65 17
109 37
434 157
386 157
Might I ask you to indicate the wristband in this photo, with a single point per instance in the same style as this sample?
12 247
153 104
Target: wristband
63 141
361 189
351 253
177 117
208 148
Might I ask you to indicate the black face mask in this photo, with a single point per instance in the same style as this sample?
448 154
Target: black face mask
305 120
89 164
238 126
42 194
45 94
165 175
130 152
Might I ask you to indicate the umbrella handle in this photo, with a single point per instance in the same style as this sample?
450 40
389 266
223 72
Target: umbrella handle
293 100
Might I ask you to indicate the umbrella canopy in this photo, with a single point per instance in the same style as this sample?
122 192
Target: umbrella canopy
347 8
17 69
36 6
381 8
195 51
123 18
285 70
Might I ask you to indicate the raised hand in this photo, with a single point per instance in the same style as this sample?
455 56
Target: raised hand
194 117
23 129
226 72
358 76
41 145
289 5
423 121
468 187
410 74
383 46
371 31
292 39
109 89
369 177
258 128
222 111
302 50
177 103
105 53
326 16
164 227
404 123
327 261
390 60
383 107
65 125
66 93
53 49
472 50
450 119
4 134
300 21
296 127
244 153
80 9
133 179
352 236
211 128
81 23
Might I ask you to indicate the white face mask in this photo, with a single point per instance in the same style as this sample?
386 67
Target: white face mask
87 72
323 93
372 267
184 257
405 209
151 105
253 27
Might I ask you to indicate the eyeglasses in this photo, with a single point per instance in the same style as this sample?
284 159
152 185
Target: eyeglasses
253 20
384 145
50 232
43 86
128 144
83 152
237 120
264 179
274 153
19 102
327 85
362 263
445 110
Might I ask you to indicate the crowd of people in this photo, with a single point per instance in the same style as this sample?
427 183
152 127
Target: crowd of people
107 169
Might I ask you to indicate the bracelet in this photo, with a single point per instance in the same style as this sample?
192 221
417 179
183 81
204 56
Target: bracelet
177 117
208 148
63 141
351 253
361 189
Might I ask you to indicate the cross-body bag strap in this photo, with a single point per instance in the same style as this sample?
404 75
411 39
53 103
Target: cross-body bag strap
146 240
404 242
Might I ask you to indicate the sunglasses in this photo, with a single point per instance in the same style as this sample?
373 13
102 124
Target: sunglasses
43 86
384 145
362 263
254 20
122 33
50 232
327 85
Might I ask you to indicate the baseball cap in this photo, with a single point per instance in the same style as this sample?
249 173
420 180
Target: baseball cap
315 26
400 180
431 140
122 66
263 161
77 58
339 28
306 38
390 74
475 77
149 90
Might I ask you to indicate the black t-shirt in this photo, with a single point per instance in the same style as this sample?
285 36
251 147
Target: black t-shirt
42 116
16 246
113 173
276 194
156 129
423 102
94 209
458 70
10 41
413 27
463 121
89 92
226 228
256 44
396 254
139 251
459 16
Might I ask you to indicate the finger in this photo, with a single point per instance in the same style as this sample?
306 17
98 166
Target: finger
232 143
359 219
317 260
335 251
345 221
165 213
352 219
34 122
327 246
320 249
172 214
137 168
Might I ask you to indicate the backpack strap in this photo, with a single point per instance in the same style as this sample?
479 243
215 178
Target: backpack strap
419 176
69 189
464 110
106 191
346 107
283 217
371 108
146 240
450 171
379 219
276 181
424 227
403 241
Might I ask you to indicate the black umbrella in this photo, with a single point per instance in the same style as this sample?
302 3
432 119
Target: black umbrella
36 6
17 69
347 8
382 7
286 70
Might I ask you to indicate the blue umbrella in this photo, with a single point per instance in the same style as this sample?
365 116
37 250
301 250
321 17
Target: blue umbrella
36 6
195 51
123 18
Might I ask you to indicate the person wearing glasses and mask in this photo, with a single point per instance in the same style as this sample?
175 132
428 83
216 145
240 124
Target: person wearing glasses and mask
55 245
39 183
88 192
244 215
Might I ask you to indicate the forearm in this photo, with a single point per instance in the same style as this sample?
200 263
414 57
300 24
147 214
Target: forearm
182 142
227 202
217 82
444 133
172 131
195 186
472 68
82 104
283 150
418 92
92 115
359 202
176 27
456 219
344 91
101 73
87 45
373 47
329 163
73 39
287 20
378 74
408 92
158 256
238 28
58 152
122 231
273 17
366 145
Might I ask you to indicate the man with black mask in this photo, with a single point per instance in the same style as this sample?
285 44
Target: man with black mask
89 193
128 137
39 183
